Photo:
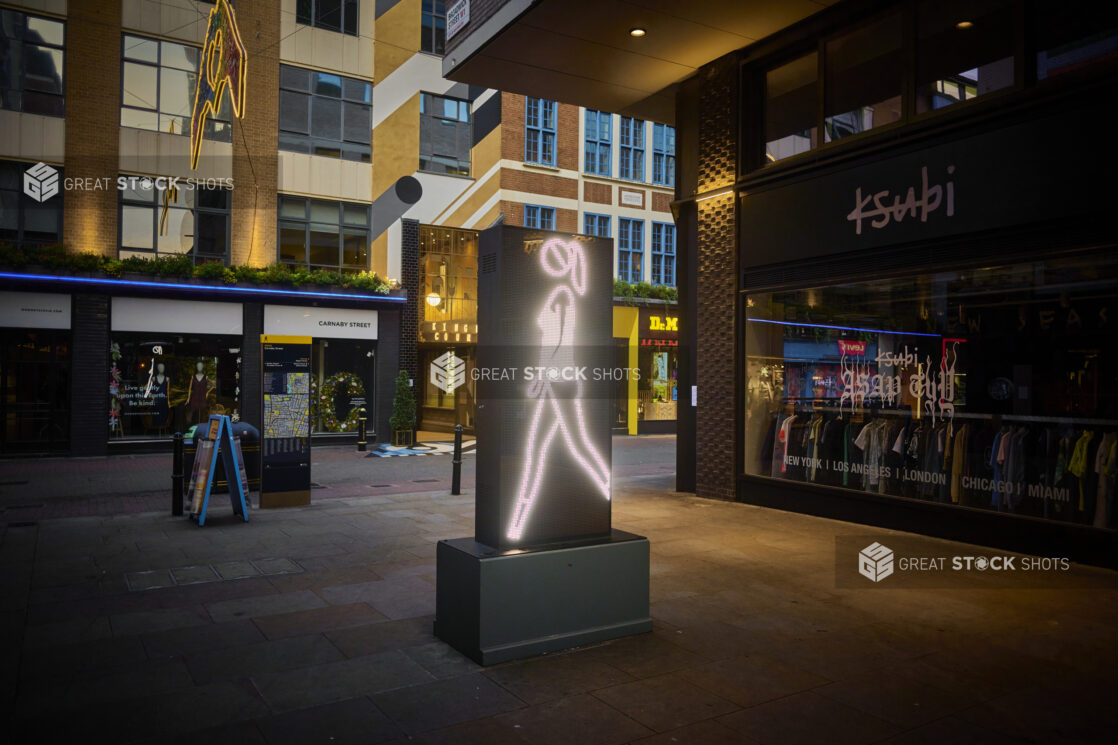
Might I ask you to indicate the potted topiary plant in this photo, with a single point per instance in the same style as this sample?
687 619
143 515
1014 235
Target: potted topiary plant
403 411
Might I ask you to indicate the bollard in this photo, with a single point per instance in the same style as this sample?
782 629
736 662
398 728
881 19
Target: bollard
361 443
456 479
176 475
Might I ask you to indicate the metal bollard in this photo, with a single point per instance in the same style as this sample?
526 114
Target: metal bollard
361 443
176 475
456 479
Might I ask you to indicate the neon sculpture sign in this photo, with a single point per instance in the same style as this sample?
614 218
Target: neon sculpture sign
224 63
555 414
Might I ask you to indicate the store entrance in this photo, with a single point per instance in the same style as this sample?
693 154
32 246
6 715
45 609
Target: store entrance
35 391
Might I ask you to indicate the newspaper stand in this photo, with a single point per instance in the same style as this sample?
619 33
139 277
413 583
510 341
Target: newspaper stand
219 437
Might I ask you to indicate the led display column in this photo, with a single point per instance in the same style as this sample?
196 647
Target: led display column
545 570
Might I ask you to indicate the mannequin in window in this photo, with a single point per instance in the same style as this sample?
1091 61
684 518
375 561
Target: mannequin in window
160 394
199 391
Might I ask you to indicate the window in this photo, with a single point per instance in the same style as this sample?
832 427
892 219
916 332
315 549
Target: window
159 78
631 165
1072 34
32 63
177 220
22 219
596 224
448 284
539 131
630 249
862 79
325 114
539 217
433 34
663 253
1013 363
323 234
663 154
791 103
332 15
444 134
599 132
956 64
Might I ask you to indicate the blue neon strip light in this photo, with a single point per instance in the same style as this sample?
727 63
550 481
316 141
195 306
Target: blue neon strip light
842 328
199 288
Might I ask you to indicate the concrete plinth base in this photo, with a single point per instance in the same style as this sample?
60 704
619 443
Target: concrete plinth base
494 606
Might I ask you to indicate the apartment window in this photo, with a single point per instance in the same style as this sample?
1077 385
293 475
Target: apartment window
791 106
862 79
630 249
598 134
539 217
332 15
444 134
433 32
325 114
176 220
631 164
663 154
23 220
539 131
32 61
158 80
596 224
663 253
323 234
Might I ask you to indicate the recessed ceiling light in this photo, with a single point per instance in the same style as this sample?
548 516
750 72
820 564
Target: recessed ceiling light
637 31
964 25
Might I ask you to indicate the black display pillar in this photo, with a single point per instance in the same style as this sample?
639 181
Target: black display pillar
545 571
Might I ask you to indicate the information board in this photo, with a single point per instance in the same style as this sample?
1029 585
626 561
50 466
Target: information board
286 437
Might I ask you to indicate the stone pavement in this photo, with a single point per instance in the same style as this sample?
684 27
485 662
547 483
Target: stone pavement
314 625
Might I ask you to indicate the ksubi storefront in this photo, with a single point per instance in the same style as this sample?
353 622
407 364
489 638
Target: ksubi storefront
930 337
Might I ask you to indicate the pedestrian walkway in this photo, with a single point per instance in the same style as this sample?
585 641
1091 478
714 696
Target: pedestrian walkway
314 625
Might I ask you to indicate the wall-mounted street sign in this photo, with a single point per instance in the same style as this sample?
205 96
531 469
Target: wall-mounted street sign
285 448
218 437
545 570
224 63
457 17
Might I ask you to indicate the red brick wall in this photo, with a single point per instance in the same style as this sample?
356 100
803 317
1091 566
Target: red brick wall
566 221
539 183
661 202
566 128
597 193
512 131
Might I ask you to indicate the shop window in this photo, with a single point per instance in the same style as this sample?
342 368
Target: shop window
448 284
1074 34
33 63
343 373
158 82
862 79
964 50
539 131
23 220
184 219
663 154
444 134
433 33
161 383
332 15
323 234
630 249
631 163
598 135
34 390
539 217
325 114
657 389
663 253
985 388
596 224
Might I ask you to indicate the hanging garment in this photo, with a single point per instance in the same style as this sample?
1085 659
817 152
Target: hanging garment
996 461
780 449
1102 467
958 459
1077 465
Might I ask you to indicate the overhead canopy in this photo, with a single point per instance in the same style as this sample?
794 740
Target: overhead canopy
581 51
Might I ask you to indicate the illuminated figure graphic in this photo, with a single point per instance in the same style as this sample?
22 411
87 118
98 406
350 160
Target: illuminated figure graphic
223 62
554 414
